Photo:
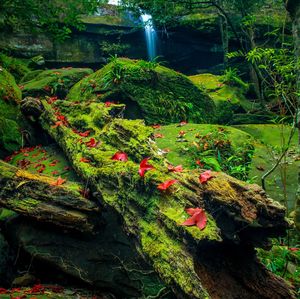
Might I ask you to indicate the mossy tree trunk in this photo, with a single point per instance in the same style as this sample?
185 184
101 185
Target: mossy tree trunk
240 216
34 196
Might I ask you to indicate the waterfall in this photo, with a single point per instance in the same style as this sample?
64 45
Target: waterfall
150 35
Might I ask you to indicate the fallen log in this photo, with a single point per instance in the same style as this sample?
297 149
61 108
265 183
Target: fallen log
37 197
240 216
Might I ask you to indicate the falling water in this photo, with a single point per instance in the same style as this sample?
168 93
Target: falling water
150 35
150 32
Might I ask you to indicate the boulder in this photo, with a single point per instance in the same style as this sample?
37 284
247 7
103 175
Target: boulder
149 91
52 82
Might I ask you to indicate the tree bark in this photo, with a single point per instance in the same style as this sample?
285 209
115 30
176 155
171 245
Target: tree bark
240 216
34 196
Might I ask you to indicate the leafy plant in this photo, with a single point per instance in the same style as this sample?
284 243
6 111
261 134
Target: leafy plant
215 151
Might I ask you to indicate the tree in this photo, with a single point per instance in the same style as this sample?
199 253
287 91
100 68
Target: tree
56 18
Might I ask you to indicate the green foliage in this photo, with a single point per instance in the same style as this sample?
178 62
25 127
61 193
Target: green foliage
109 48
54 17
215 151
232 78
283 261
16 67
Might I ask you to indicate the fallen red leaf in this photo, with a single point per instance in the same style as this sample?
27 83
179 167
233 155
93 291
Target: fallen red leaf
198 218
51 100
293 249
42 168
108 104
205 176
165 185
47 88
85 160
57 124
182 123
7 159
85 134
3 291
55 172
172 168
199 163
144 166
53 163
182 133
156 126
91 143
59 181
120 156
158 135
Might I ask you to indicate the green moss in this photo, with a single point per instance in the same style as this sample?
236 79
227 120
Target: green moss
110 20
6 214
228 99
149 91
30 76
17 67
11 120
55 81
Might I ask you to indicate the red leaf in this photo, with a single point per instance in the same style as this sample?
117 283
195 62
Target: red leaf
85 134
182 123
205 176
198 218
57 124
158 135
24 163
67 168
85 160
38 288
108 104
144 166
156 126
59 181
3 291
293 249
172 168
55 172
91 143
47 88
199 163
7 159
42 168
182 133
165 185
53 163
120 156
51 100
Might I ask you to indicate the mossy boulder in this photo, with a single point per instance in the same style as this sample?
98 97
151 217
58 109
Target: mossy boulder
52 82
11 120
17 67
228 99
149 91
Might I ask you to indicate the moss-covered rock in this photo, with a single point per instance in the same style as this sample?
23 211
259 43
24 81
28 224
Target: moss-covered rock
11 121
17 67
149 91
53 82
228 99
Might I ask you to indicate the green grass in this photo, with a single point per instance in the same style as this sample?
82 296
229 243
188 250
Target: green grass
171 132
